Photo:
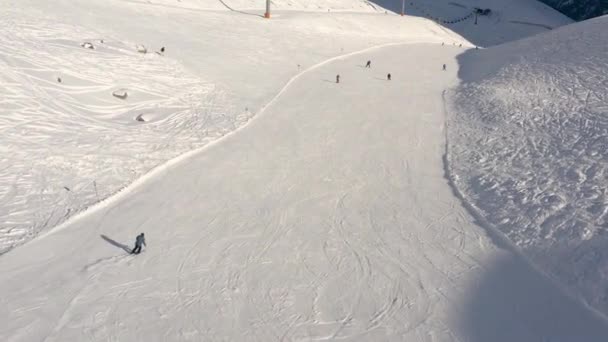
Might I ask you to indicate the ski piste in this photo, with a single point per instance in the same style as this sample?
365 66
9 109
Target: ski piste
302 209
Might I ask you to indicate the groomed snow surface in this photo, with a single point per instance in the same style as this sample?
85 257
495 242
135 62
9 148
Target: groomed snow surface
327 217
305 210
89 144
529 148
68 143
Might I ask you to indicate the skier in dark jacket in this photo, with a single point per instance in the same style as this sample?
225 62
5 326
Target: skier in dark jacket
368 64
139 240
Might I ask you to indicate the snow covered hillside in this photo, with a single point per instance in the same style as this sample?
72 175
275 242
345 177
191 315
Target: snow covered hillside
529 148
278 204
67 142
327 217
506 20
281 5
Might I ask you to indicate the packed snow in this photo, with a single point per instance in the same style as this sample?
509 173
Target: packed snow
277 204
529 149
68 141
282 5
326 217
63 69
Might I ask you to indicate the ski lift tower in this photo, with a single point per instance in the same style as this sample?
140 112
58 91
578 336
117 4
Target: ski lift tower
267 14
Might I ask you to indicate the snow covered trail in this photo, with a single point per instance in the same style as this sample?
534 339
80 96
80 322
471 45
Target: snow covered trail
328 217
66 143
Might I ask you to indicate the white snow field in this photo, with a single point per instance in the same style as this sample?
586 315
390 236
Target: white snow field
66 145
292 208
327 217
529 149
89 144
57 101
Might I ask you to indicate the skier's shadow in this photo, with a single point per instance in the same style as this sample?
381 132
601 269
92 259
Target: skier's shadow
116 244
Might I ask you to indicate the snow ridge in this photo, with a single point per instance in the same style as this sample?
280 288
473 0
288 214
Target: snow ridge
528 148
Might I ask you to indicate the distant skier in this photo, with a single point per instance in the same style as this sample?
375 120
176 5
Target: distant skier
444 67
338 78
388 77
162 49
139 240
368 64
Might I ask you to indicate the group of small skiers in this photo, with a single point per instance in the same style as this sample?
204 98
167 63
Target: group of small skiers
369 65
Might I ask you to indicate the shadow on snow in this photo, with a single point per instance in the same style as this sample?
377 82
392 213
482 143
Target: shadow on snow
125 248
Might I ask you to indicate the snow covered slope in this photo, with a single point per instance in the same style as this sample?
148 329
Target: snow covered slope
67 143
529 148
507 20
281 5
327 217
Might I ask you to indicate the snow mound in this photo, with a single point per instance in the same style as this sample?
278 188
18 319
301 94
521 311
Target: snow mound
529 149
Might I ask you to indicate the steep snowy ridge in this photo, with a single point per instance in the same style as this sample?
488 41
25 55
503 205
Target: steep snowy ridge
529 139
